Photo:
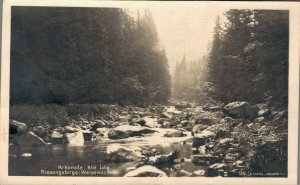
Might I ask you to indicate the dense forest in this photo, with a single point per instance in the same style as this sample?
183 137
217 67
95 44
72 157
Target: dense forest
249 57
248 60
86 55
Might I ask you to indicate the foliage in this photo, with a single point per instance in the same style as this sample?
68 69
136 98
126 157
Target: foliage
249 57
86 55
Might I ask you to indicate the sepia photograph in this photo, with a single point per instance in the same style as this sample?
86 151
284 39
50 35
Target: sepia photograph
151 91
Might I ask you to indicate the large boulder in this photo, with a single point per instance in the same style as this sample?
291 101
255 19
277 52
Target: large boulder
174 133
75 138
98 124
30 139
164 159
16 127
146 171
56 137
69 129
241 110
125 131
117 153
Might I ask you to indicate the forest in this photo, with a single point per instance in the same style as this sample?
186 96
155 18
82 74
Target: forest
86 55
248 61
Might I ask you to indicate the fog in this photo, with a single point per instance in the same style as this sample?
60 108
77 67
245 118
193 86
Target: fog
184 31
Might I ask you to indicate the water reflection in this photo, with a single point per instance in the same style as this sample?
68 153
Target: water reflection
50 156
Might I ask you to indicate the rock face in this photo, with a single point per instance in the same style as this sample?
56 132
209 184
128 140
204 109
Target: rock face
125 131
75 138
30 139
241 110
16 127
146 171
116 153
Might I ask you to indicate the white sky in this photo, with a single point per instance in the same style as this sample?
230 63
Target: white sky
184 30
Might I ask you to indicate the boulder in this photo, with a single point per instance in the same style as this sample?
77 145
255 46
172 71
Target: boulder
164 159
26 155
69 129
259 120
125 131
184 123
56 137
166 115
98 124
146 171
199 128
200 173
75 138
182 173
166 124
241 110
139 121
264 112
117 134
174 133
16 127
40 131
117 153
30 139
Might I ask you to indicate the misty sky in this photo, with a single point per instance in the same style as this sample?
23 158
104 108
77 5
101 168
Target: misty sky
184 30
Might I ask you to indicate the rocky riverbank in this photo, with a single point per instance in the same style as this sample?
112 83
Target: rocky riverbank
237 139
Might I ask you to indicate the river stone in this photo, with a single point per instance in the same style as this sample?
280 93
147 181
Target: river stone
200 172
40 131
174 133
117 134
75 138
182 173
164 159
199 128
125 131
30 139
264 112
259 120
56 137
69 129
146 171
16 127
98 124
117 153
241 110
166 115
